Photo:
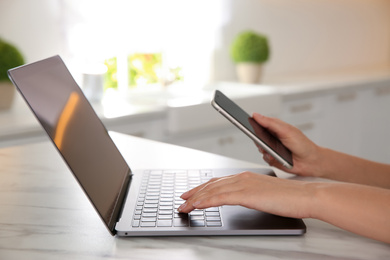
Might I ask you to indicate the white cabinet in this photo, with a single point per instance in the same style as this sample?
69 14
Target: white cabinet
352 119
227 141
329 118
375 123
146 128
340 123
306 113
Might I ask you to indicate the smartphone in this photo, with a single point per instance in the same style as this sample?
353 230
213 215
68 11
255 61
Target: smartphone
251 128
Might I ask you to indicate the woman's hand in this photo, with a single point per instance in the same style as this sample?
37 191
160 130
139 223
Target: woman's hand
261 192
306 154
256 191
345 205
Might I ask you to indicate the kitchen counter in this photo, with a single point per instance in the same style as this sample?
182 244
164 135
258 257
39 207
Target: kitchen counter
323 85
46 215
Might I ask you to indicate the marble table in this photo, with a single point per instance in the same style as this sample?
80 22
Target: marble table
45 215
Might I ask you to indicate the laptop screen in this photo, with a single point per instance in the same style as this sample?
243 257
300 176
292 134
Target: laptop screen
77 132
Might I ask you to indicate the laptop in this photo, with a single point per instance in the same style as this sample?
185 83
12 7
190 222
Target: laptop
129 202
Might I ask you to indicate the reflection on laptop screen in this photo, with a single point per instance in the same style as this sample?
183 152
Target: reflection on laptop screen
68 118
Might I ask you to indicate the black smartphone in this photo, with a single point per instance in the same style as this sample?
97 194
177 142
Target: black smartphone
250 127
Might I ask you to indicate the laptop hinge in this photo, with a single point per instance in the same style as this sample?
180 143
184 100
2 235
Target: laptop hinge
121 202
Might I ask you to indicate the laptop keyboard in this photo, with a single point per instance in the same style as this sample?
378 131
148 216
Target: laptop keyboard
159 199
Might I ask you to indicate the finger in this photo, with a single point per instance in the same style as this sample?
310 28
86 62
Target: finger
193 191
271 160
193 195
274 163
218 199
274 125
210 198
219 186
261 150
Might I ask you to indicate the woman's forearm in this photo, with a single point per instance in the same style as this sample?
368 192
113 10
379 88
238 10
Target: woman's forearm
343 167
358 208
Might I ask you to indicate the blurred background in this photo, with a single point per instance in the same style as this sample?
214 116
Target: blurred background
150 68
192 38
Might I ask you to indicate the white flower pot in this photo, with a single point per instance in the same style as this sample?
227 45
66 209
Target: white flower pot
249 72
7 93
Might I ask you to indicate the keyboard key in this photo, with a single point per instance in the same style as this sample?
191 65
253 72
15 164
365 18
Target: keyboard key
196 213
197 223
164 223
152 197
165 212
151 206
166 203
154 182
153 189
179 215
167 190
151 202
166 199
214 224
197 217
179 202
148 224
166 195
144 219
212 214
152 194
164 216
193 173
166 207
180 222
213 219
150 210
149 215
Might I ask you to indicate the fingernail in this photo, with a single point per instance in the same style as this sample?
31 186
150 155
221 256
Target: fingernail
196 203
258 115
267 157
182 206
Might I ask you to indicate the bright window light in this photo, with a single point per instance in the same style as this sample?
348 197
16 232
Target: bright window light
184 33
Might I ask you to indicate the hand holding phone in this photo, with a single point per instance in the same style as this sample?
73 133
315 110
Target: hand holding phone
261 136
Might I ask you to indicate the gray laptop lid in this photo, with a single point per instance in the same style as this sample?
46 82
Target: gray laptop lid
77 132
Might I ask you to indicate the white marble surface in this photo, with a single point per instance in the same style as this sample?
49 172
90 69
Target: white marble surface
45 215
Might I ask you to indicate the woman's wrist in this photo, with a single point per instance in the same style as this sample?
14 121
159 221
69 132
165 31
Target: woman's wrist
320 162
314 164
311 201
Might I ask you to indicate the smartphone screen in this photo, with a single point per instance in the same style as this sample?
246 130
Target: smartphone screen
249 126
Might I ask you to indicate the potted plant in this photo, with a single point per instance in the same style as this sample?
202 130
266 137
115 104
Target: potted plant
10 57
249 51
